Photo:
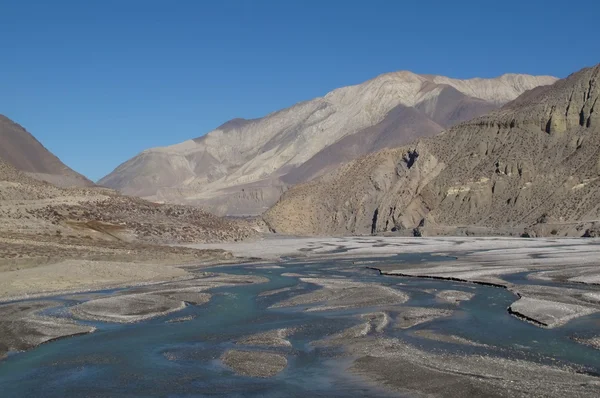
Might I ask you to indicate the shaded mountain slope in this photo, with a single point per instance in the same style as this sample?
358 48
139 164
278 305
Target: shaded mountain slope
402 124
450 107
20 149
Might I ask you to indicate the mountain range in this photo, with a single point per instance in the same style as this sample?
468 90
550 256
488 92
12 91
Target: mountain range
530 167
244 166
379 157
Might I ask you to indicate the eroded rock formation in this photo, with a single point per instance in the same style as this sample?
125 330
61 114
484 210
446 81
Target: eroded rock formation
531 166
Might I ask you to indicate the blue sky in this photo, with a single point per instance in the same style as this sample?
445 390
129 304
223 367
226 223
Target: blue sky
99 81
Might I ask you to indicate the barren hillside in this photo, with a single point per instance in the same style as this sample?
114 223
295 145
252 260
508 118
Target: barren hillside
243 166
533 166
37 207
20 149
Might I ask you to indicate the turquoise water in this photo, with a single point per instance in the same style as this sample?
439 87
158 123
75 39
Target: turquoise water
155 358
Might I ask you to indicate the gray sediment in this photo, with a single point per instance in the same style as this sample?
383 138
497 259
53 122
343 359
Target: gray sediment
454 296
373 323
547 313
181 319
127 309
446 338
190 297
418 373
272 266
292 275
153 301
276 291
338 294
443 278
408 317
414 372
411 371
591 342
254 363
543 306
271 338
23 328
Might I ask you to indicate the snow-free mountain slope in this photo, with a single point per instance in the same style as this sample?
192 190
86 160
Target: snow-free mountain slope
402 124
241 167
20 149
533 166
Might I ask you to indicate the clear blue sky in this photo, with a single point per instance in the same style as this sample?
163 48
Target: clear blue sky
99 81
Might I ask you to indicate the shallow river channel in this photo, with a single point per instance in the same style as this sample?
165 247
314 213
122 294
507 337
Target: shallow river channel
181 354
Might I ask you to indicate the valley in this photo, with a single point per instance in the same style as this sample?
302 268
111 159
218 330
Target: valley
393 233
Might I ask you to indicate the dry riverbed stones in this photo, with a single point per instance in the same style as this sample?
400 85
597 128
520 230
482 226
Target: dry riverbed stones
22 327
254 363
336 294
546 313
454 296
126 309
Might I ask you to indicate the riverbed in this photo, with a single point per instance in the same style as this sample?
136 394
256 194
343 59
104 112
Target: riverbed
308 327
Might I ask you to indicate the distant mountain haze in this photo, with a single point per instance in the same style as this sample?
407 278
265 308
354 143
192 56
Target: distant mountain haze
244 166
531 166
21 150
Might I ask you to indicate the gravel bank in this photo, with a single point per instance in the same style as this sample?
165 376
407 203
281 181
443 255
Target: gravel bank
22 327
254 363
336 294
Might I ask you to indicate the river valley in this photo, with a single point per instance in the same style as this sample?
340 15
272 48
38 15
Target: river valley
316 326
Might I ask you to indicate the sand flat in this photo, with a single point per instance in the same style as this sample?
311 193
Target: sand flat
77 276
548 313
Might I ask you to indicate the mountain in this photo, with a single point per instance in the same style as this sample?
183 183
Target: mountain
31 207
32 204
20 149
244 166
56 239
531 167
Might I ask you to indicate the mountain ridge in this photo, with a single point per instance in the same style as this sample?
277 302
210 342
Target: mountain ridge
215 169
531 166
22 150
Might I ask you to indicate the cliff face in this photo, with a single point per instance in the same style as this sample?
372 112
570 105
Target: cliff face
264 156
532 165
21 150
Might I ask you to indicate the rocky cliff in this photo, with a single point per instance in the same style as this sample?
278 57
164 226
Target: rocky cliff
20 149
243 166
532 166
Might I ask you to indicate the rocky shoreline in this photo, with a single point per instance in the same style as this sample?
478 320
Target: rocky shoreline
407 369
